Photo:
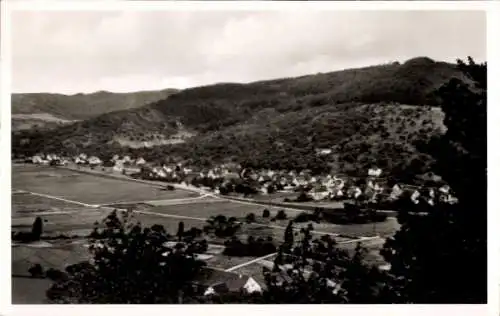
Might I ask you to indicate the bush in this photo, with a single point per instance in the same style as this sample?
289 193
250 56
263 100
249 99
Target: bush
170 188
303 197
56 275
250 218
281 215
253 247
36 271
266 213
193 233
306 217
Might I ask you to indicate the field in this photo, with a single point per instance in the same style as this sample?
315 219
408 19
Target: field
62 198
86 188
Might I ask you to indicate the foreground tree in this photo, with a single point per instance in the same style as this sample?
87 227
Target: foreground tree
441 258
37 228
130 265
318 271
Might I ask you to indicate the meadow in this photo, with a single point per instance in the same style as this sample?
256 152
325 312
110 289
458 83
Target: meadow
86 188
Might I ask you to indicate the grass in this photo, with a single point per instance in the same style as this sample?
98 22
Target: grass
29 291
86 188
25 203
205 210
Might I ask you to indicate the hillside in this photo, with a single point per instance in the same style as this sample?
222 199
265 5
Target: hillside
367 115
83 106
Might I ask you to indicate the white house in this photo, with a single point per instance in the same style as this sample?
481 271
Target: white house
94 161
118 166
415 196
140 161
396 192
37 159
374 172
323 151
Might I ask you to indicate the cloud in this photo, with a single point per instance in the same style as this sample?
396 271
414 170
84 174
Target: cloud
70 52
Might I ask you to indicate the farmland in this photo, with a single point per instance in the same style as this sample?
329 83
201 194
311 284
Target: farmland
86 188
67 203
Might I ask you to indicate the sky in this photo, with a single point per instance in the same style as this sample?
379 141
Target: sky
120 51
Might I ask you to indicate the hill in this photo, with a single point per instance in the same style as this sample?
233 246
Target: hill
83 106
366 115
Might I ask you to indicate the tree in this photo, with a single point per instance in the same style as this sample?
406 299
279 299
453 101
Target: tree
320 272
281 215
288 239
180 230
266 213
250 218
37 228
130 264
451 238
36 271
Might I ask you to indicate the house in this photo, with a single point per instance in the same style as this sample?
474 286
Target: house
118 167
445 189
374 172
355 192
414 197
37 159
216 282
323 151
319 195
396 192
94 161
140 161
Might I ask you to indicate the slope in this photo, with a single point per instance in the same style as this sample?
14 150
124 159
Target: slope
278 123
83 106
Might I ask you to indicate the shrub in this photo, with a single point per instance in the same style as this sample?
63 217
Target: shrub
253 247
37 228
305 217
281 215
170 188
266 213
303 197
56 275
250 218
36 271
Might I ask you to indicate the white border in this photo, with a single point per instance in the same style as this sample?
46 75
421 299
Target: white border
493 156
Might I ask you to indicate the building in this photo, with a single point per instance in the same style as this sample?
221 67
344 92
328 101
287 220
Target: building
216 282
94 161
374 172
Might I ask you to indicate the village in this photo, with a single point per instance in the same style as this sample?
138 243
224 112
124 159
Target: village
287 186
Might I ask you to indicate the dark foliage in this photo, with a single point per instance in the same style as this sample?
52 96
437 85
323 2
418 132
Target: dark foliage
250 218
222 226
281 215
430 253
37 228
36 271
180 230
266 213
278 124
253 247
130 264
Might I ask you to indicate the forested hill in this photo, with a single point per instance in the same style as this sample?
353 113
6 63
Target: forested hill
83 106
367 115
